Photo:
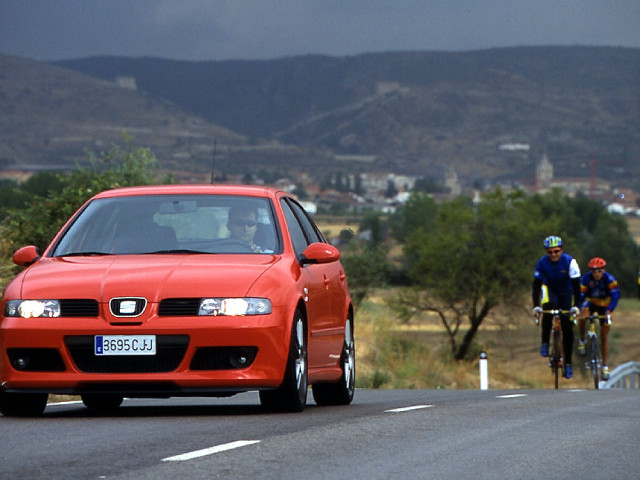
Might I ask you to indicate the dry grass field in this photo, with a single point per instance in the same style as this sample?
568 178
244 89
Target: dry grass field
417 355
634 227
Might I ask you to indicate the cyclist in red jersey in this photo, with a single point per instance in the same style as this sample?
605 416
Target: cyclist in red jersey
599 293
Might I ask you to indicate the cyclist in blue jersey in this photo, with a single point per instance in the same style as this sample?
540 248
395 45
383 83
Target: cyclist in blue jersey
599 293
560 273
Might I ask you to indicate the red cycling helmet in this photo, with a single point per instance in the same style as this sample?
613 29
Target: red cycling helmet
597 262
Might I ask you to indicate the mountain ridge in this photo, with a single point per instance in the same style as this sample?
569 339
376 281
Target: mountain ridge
418 113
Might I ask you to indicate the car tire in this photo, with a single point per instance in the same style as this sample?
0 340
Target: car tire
340 393
101 401
23 404
291 395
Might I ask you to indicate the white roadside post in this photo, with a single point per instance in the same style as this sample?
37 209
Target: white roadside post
484 371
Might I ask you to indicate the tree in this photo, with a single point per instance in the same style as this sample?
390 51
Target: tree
45 213
419 212
588 230
475 258
367 266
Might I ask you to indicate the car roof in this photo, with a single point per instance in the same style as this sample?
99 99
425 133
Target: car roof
248 190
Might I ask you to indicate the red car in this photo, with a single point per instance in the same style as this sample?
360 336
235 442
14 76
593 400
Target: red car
181 290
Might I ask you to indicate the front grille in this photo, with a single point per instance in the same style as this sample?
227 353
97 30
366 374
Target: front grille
223 358
127 307
179 307
170 350
79 307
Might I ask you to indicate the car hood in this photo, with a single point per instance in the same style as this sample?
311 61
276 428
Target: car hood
152 277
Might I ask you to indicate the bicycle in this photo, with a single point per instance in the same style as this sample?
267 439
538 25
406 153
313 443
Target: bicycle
594 358
556 353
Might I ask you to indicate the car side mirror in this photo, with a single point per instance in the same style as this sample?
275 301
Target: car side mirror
320 253
26 256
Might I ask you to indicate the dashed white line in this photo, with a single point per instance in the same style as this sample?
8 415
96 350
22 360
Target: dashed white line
407 409
512 395
210 451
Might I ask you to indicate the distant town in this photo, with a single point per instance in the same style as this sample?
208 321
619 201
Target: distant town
385 192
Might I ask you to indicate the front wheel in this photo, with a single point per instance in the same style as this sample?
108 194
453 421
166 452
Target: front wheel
291 395
556 356
340 393
23 404
595 363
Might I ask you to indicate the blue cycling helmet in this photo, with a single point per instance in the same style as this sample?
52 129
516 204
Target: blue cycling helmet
552 241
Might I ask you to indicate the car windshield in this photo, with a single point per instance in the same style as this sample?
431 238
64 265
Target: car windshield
171 224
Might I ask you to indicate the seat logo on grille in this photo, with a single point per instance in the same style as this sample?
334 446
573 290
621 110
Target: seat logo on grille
127 306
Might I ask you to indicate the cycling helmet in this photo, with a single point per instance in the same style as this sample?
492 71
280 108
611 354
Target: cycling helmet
552 241
597 262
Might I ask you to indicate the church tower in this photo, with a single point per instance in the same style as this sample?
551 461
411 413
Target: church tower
544 173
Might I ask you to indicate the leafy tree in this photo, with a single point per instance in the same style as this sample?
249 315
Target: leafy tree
475 258
11 196
429 185
419 212
367 266
40 220
588 230
42 183
372 222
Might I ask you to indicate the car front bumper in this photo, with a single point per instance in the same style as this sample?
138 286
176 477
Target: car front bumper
201 356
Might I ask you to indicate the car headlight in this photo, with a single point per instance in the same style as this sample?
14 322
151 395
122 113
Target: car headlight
32 308
234 306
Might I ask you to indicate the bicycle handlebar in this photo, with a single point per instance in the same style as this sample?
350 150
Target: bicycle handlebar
556 311
595 316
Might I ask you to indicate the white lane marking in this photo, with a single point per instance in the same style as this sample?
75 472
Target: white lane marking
210 451
407 409
512 395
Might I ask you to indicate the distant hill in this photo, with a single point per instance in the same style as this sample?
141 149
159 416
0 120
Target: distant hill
489 114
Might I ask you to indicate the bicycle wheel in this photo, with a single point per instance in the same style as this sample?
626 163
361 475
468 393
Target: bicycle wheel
595 362
556 355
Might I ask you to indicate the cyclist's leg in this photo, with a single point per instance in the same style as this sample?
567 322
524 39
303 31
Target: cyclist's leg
564 302
582 320
582 328
546 328
604 337
567 337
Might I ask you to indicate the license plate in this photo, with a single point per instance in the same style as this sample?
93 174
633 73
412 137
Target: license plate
124 345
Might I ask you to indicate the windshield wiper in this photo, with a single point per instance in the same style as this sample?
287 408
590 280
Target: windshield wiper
83 254
177 250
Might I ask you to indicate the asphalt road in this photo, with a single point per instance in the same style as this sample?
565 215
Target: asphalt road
384 434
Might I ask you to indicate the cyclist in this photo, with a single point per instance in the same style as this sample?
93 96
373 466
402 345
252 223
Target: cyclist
599 293
560 273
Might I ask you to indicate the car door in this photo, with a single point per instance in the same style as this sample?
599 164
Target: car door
325 294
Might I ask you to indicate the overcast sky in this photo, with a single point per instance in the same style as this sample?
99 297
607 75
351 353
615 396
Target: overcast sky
266 29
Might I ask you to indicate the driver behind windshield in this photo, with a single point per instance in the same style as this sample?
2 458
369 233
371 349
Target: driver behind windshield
243 224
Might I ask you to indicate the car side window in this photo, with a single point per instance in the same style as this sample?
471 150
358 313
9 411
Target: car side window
298 237
311 230
303 230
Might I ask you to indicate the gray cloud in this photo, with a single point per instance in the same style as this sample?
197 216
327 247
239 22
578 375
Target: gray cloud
262 29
